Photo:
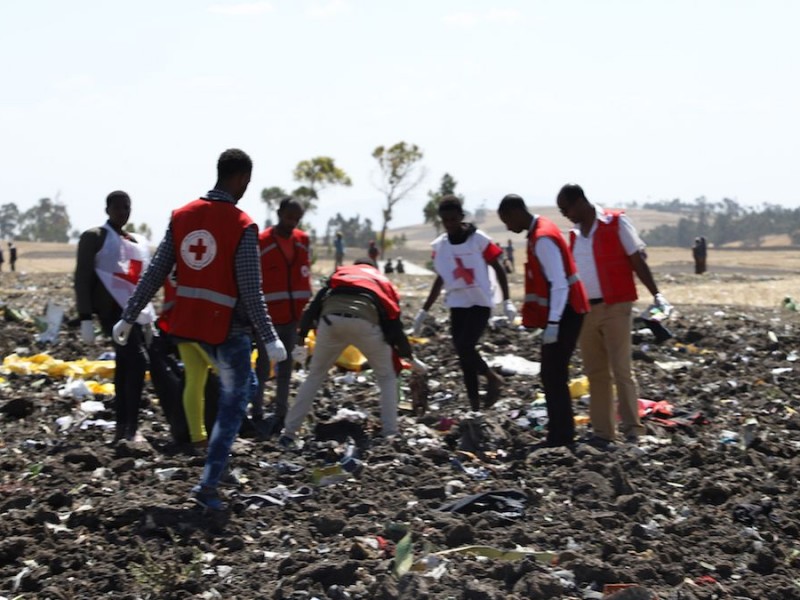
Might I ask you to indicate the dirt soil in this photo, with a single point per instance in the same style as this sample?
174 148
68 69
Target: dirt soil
705 506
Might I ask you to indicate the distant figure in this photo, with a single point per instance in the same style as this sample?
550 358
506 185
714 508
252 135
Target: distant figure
699 253
338 247
509 249
373 252
2 260
400 267
12 256
388 267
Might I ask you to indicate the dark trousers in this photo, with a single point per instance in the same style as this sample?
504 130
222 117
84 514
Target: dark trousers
287 333
466 327
131 364
555 379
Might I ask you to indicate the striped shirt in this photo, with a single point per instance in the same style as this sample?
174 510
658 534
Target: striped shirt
250 312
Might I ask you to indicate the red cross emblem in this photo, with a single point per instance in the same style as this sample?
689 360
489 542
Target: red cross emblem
462 272
198 249
134 271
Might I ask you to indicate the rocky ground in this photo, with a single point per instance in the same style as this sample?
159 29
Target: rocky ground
706 506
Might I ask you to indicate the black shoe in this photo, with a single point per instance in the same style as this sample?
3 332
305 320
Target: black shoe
600 443
207 497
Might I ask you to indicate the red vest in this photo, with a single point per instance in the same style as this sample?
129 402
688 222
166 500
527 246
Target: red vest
369 278
287 286
536 308
614 269
206 234
170 292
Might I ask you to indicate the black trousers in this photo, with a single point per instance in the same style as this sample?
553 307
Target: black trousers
555 379
466 327
129 370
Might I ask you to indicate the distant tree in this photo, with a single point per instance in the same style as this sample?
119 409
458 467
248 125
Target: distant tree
271 196
47 221
400 173
431 211
316 174
143 229
9 220
354 232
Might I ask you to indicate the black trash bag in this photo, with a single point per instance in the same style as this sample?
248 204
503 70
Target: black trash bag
509 503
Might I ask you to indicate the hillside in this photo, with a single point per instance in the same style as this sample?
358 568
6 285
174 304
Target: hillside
419 236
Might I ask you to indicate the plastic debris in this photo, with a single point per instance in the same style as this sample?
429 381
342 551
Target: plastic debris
510 364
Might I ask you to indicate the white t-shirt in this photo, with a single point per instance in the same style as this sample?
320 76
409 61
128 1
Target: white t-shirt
584 255
464 270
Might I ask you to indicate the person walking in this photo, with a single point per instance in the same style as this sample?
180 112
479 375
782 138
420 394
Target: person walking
608 252
462 256
109 264
286 279
358 306
214 248
699 253
556 302
509 250
338 250
372 251
12 256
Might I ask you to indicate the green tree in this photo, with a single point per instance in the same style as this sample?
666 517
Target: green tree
9 219
272 196
354 232
143 229
316 174
400 173
47 221
431 211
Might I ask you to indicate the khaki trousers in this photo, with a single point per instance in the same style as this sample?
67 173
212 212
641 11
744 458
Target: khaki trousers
605 344
331 340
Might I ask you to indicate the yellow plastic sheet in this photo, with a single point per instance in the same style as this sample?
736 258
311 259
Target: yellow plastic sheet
579 387
47 365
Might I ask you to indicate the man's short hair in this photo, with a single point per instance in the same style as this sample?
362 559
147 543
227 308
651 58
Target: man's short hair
450 202
233 162
511 202
290 202
117 195
572 192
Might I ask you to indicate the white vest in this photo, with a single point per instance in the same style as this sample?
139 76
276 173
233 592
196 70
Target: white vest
119 265
464 271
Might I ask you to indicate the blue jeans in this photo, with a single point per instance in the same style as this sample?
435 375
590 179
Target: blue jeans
237 384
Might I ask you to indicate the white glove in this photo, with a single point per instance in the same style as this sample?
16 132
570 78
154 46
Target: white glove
418 366
661 303
121 332
419 320
300 354
550 334
87 331
509 310
276 351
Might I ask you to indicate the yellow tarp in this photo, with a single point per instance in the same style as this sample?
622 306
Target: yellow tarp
47 365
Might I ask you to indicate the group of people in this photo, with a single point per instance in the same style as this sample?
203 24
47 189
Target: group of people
12 257
226 283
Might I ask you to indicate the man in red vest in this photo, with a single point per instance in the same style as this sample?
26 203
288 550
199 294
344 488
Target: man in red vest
286 276
556 302
608 252
359 306
218 301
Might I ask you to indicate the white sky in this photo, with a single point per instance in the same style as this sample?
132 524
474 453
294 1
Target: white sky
633 99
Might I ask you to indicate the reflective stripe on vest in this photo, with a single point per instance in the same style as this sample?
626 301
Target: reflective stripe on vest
297 295
206 294
269 248
571 280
